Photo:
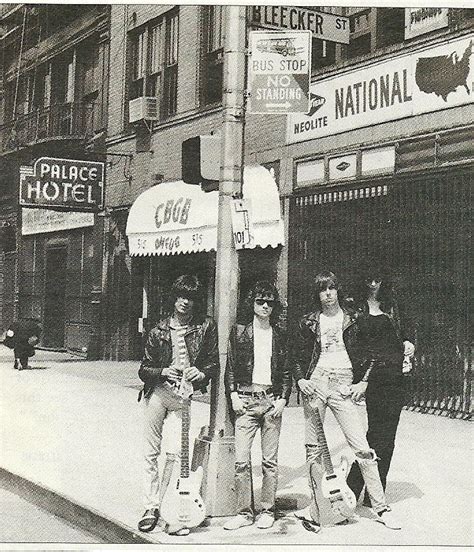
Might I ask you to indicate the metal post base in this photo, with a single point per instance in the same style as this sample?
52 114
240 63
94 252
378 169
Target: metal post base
217 456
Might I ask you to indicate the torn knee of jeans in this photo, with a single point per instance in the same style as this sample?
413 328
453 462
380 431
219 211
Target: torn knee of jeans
241 467
366 456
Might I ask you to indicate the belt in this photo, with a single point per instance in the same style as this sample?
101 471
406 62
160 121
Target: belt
256 394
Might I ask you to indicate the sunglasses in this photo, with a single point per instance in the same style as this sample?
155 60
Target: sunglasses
269 302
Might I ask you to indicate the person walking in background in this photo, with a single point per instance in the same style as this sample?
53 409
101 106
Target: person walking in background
22 336
186 338
384 350
258 383
325 355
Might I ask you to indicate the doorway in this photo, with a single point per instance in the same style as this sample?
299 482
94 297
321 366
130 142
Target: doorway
55 297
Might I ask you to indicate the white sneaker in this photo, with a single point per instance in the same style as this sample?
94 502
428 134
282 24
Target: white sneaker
237 522
389 520
266 520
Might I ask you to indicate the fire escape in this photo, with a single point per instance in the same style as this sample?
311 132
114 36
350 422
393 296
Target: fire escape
49 77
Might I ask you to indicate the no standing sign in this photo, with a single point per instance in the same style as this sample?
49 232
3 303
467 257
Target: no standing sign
279 71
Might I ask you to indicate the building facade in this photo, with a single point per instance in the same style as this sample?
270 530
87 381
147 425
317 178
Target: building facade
380 169
53 103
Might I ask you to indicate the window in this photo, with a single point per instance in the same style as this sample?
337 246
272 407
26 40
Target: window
154 62
390 26
213 55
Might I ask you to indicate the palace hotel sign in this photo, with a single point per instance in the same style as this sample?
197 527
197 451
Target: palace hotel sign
66 184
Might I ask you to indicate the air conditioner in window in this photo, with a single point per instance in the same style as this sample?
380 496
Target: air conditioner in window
144 107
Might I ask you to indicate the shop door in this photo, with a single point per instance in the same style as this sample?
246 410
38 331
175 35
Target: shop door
54 303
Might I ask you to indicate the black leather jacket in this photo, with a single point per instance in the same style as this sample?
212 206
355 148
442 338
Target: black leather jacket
201 341
240 361
307 346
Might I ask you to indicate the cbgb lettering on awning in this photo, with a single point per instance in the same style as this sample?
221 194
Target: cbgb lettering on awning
174 217
66 184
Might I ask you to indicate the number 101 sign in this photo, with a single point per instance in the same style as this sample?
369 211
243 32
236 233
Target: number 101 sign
241 225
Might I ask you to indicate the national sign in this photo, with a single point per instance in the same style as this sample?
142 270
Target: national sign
423 81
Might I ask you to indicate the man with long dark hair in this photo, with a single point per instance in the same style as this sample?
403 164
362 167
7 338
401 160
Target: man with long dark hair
258 382
384 348
324 356
182 345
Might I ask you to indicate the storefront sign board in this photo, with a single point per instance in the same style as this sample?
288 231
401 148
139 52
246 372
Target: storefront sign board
420 21
424 81
39 221
68 184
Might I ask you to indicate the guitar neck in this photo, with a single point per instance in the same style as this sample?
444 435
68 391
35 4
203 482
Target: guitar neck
185 422
328 466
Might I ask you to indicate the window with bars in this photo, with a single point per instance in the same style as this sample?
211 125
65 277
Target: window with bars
213 54
154 62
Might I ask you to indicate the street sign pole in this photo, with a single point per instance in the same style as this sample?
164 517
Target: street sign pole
218 490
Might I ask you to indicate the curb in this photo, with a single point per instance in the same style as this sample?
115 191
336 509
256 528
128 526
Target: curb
98 525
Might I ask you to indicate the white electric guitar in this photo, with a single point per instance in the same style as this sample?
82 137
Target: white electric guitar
333 484
182 506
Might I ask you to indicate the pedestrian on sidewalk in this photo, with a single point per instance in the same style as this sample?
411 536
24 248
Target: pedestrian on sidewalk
22 336
185 338
325 355
258 384
385 350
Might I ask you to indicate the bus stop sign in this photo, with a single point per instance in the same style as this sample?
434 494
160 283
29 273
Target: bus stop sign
279 71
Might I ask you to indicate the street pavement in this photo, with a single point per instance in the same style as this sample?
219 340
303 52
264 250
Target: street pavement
75 427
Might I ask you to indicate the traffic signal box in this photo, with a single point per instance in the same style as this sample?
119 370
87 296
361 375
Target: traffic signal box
200 161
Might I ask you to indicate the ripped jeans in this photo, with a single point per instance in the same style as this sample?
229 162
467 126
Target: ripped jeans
333 391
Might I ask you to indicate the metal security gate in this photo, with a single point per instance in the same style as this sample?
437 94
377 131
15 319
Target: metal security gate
419 226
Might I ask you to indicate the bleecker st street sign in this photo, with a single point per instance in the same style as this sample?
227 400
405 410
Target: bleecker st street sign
279 71
322 25
66 184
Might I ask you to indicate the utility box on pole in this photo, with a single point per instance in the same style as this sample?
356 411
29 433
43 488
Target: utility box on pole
200 161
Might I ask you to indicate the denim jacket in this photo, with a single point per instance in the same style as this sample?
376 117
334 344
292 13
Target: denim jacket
201 342
240 361
307 346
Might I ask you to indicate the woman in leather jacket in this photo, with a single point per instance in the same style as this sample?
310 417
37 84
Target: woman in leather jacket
380 376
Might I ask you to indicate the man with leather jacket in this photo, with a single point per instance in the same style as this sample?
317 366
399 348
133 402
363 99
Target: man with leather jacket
325 356
182 346
258 382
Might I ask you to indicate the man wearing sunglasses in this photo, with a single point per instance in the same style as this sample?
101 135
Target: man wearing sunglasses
258 382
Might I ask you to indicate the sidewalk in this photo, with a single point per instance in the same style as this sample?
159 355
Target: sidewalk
75 427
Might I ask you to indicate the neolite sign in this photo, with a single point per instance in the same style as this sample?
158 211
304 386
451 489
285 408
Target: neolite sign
68 184
422 81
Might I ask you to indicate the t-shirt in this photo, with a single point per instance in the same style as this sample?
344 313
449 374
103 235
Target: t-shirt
333 351
262 354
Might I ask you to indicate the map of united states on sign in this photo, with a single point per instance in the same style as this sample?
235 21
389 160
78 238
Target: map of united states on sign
441 75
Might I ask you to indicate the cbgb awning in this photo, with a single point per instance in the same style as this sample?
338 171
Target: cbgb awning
174 217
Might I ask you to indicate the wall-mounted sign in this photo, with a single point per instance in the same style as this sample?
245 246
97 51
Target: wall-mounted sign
67 184
279 71
424 81
419 21
40 221
344 166
326 26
